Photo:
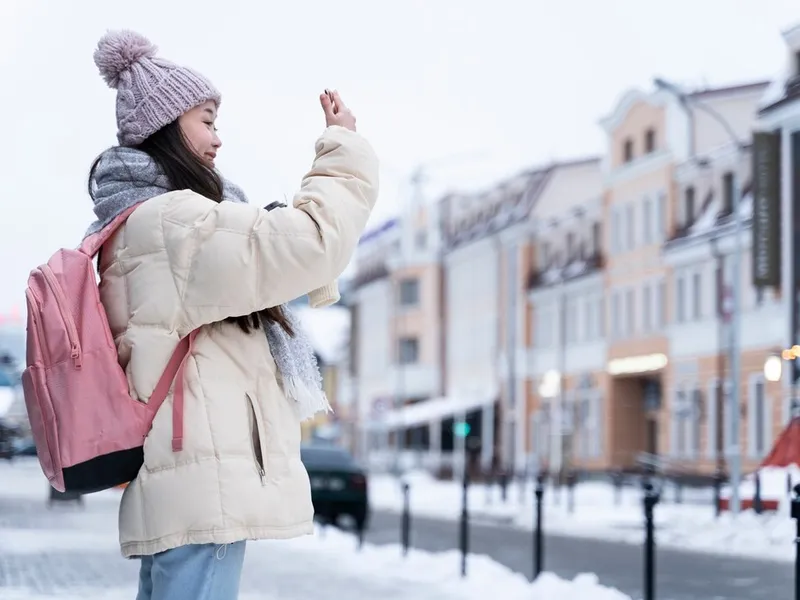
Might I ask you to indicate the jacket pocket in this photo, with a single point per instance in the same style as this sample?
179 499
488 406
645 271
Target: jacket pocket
257 437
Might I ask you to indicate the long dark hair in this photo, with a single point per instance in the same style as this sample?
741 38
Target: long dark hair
184 170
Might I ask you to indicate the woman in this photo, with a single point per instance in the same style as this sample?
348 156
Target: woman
195 256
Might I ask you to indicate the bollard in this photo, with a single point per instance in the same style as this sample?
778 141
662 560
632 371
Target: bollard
538 542
504 485
651 498
360 538
796 517
464 529
405 522
617 479
718 493
572 479
758 506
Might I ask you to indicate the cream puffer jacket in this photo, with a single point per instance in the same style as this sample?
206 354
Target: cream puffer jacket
183 261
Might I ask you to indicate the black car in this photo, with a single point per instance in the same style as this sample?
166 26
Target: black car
338 484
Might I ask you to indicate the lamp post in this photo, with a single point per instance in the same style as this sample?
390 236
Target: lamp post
735 454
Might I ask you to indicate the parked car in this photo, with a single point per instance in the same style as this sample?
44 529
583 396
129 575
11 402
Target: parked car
338 484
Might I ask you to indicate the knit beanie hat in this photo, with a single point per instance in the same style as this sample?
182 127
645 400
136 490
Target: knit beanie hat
151 92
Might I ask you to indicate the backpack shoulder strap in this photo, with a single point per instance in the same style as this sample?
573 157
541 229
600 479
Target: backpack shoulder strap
91 244
174 371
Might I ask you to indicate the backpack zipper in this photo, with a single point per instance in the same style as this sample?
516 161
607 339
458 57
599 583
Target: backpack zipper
61 302
36 308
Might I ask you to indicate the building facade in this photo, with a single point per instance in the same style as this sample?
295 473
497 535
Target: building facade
578 316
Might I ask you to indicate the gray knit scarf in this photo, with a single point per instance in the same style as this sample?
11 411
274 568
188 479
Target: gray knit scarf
125 177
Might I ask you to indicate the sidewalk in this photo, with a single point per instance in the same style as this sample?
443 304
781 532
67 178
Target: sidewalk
72 554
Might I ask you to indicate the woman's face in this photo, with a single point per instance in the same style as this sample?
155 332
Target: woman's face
198 126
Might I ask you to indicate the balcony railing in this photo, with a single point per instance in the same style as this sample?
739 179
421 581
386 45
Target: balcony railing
576 267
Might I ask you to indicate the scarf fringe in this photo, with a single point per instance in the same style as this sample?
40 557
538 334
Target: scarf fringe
308 401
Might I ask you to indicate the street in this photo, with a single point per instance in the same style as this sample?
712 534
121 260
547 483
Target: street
681 575
71 552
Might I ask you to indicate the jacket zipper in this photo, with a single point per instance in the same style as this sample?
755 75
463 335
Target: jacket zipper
72 332
258 443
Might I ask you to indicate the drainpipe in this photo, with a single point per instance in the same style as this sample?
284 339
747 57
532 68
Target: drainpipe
720 391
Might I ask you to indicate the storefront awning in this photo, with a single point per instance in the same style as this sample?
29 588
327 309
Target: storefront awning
435 409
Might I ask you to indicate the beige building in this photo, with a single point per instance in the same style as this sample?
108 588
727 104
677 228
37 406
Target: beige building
668 205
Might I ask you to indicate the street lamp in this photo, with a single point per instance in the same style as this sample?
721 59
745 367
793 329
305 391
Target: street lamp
687 103
773 367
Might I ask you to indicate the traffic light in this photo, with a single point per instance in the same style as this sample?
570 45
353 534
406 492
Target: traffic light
461 429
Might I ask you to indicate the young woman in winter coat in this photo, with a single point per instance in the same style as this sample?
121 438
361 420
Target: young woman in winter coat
195 256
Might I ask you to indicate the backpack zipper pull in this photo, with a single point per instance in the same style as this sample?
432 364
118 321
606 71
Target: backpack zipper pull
76 356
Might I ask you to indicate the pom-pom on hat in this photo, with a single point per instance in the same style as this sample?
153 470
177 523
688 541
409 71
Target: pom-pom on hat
151 91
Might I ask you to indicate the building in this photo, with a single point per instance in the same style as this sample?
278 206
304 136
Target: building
486 246
565 293
776 231
581 315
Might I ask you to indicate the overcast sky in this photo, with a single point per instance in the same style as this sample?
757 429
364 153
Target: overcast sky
489 86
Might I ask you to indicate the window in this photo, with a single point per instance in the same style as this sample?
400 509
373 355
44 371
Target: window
589 321
616 312
631 226
647 309
630 312
647 218
616 230
409 292
697 295
727 193
650 141
686 430
587 420
661 215
601 316
571 325
570 246
680 298
408 351
711 413
596 240
696 410
627 150
661 304
688 206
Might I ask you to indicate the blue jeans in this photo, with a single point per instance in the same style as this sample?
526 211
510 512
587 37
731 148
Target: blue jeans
193 572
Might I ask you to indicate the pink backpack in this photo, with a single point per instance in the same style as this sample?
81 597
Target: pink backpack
89 432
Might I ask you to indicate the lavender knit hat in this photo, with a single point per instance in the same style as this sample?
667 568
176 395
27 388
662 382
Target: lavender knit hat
151 92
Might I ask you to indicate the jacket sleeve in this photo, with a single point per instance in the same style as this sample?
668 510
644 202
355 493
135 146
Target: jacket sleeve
230 259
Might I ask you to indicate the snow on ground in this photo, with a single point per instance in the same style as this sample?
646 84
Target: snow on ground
289 570
691 525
